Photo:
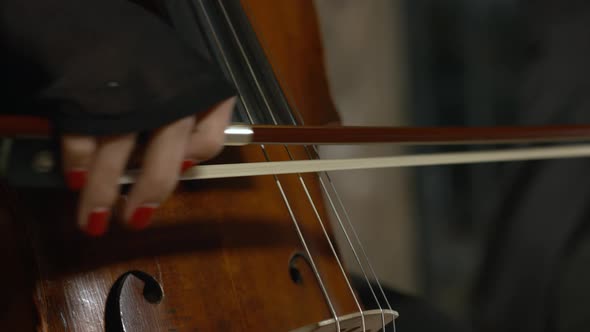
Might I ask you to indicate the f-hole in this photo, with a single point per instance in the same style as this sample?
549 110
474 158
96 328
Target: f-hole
294 271
151 292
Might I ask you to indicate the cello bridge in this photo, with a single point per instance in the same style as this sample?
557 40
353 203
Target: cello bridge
374 321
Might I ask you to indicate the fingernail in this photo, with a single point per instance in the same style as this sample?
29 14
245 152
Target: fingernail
97 222
142 216
76 179
186 164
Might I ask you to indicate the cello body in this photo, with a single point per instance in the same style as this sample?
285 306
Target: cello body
244 254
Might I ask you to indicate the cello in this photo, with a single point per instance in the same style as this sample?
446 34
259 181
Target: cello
250 254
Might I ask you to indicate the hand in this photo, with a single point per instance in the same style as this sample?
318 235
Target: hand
95 164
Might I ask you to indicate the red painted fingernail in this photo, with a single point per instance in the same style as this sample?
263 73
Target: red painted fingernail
142 216
186 164
97 222
76 178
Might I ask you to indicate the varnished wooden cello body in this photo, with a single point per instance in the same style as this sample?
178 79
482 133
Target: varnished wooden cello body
224 254
247 254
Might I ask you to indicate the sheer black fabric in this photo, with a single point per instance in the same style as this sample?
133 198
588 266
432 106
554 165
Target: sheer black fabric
101 67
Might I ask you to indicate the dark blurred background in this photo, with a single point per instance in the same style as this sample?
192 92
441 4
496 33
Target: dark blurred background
466 61
499 246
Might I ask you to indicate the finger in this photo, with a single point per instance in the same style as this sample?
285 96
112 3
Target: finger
102 186
160 172
208 136
77 155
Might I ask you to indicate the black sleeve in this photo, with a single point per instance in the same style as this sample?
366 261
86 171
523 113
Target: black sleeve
102 67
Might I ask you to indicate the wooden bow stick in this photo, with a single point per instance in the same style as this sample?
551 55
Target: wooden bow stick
12 127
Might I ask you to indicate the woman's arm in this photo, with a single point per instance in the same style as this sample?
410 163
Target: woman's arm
106 70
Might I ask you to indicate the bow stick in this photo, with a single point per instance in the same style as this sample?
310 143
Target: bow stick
12 127
15 126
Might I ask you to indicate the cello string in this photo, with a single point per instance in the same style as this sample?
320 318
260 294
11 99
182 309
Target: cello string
340 265
300 177
356 256
301 121
297 113
267 104
343 228
314 267
358 241
360 245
